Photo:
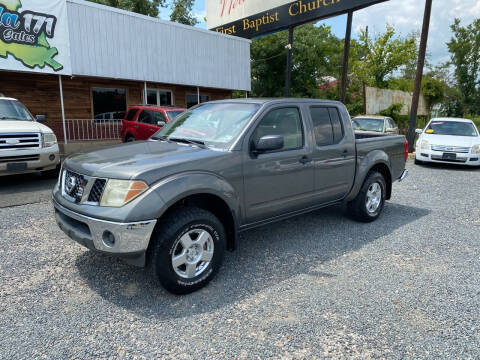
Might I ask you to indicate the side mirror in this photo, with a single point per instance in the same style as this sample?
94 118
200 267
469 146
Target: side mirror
269 143
418 131
161 123
41 118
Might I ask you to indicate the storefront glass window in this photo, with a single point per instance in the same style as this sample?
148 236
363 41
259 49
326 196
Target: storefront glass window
159 97
109 103
192 99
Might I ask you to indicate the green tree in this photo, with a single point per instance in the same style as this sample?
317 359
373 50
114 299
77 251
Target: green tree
182 12
317 53
145 7
383 55
464 48
433 90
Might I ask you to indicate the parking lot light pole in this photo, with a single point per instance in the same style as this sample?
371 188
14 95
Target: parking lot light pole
418 78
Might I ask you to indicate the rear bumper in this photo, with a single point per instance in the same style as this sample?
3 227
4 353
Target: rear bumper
403 175
126 240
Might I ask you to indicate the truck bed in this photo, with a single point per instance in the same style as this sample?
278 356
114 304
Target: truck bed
392 145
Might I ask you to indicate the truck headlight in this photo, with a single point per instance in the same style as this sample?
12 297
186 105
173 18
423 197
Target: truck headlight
425 145
49 139
119 192
476 149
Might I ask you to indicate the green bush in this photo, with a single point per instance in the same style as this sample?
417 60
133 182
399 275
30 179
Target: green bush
402 121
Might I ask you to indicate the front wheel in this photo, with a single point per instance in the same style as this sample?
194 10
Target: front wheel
188 249
369 203
418 162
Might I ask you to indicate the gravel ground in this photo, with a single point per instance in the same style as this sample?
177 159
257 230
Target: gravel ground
318 286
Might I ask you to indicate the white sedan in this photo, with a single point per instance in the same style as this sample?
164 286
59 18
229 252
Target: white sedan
448 141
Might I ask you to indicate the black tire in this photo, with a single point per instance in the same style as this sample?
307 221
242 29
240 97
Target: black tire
358 207
166 240
418 162
129 138
49 174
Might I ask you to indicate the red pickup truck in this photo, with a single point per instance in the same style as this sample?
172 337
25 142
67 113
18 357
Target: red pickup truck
142 121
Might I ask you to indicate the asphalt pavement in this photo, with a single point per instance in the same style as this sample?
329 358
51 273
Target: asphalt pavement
317 286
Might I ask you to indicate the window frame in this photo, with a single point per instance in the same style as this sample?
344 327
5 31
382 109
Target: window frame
157 93
328 107
268 111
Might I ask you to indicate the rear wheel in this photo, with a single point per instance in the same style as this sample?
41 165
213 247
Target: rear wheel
369 203
188 249
129 138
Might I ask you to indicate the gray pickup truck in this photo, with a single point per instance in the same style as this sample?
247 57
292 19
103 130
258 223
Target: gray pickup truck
176 202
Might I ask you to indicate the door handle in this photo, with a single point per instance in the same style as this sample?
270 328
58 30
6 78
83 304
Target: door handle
305 160
135 126
153 130
345 153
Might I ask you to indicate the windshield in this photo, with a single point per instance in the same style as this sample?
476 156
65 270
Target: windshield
174 113
215 124
455 128
14 110
368 124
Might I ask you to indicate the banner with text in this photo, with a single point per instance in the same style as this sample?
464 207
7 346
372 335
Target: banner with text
250 18
34 36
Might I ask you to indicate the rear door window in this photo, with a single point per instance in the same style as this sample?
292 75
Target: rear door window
322 127
327 125
146 117
131 114
336 125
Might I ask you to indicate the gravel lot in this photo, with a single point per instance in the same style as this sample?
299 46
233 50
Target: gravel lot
406 286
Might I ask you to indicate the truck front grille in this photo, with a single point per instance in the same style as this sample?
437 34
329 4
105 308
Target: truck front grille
20 141
97 190
20 158
81 189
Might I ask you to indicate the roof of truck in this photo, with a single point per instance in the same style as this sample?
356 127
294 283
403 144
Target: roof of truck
278 100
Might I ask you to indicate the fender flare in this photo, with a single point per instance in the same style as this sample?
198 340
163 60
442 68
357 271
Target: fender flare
177 187
364 165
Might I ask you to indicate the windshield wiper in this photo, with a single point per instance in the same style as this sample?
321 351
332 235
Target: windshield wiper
190 141
11 118
161 138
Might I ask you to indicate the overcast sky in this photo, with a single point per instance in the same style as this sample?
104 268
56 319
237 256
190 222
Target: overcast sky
405 15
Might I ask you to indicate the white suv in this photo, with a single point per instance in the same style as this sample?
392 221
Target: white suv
25 144
449 141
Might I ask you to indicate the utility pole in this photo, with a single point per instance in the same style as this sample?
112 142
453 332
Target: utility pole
288 75
346 55
418 79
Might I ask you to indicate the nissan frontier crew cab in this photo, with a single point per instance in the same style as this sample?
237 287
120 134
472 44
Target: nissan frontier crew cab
176 202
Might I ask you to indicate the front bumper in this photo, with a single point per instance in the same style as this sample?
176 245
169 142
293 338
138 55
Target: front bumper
127 240
437 157
43 159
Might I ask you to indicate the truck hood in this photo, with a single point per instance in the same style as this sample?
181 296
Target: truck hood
23 126
449 140
149 161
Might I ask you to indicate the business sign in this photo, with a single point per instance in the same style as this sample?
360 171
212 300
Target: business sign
250 18
34 36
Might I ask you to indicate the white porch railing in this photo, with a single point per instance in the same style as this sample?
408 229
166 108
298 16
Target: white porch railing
93 129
